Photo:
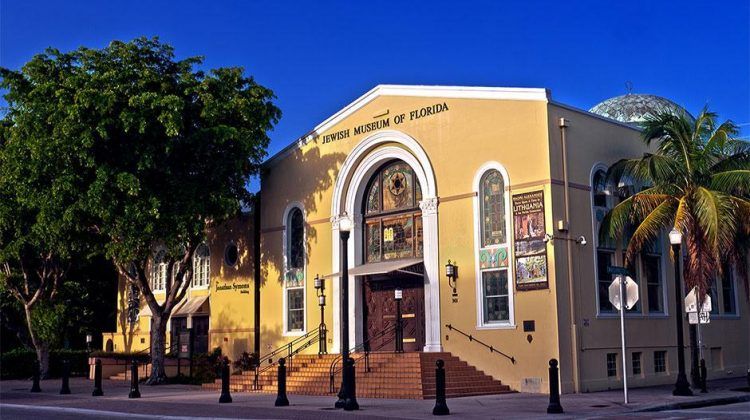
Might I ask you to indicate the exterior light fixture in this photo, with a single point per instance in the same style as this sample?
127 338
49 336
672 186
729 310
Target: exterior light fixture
345 223
451 272
675 237
320 289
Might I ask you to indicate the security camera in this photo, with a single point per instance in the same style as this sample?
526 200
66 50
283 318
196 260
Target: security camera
581 240
548 238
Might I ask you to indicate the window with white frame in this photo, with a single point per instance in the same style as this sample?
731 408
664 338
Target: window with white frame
201 266
494 294
605 247
724 294
294 279
159 270
645 268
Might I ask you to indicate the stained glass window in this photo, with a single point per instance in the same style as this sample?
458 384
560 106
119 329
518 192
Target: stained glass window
296 232
398 189
392 218
492 195
294 279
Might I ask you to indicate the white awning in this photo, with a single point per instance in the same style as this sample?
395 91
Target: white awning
413 266
192 306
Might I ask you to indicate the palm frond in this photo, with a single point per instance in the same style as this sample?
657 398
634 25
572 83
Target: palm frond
734 182
650 227
715 214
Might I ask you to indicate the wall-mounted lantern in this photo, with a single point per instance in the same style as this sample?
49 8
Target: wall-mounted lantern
451 272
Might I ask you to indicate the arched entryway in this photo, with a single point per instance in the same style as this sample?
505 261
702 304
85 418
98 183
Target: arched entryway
393 235
362 165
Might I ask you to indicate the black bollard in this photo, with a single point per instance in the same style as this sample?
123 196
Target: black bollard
225 397
704 373
281 399
97 379
554 406
65 389
351 403
441 406
134 391
35 378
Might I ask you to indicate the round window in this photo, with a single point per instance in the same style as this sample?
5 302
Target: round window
231 254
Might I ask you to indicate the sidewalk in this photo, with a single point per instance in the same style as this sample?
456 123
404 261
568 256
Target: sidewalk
169 401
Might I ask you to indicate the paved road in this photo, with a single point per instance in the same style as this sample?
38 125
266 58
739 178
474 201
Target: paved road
179 401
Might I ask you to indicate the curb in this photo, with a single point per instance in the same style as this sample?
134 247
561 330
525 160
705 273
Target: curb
696 404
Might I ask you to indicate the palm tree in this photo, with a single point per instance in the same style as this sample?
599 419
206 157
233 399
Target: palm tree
698 182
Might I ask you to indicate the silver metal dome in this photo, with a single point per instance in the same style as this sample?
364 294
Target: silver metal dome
635 108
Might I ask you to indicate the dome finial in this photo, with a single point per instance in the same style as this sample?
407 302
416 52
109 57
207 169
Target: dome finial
629 86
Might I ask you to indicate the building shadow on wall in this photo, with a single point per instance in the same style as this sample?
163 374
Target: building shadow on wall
127 329
318 177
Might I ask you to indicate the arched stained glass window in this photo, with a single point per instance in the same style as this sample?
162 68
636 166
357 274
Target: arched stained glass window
294 282
492 196
296 226
393 222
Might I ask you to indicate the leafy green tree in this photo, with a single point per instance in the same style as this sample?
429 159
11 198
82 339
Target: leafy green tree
161 147
42 211
698 182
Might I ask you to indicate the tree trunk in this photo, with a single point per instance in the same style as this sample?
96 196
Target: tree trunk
158 348
41 348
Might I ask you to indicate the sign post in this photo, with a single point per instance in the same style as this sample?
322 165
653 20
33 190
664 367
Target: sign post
623 294
698 314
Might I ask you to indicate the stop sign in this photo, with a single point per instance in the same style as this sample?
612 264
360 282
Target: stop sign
631 292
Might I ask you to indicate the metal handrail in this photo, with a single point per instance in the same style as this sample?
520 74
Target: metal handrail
333 370
311 337
472 338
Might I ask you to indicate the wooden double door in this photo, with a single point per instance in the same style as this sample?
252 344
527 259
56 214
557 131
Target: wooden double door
380 311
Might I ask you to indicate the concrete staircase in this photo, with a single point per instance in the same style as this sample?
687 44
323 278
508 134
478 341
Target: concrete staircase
391 375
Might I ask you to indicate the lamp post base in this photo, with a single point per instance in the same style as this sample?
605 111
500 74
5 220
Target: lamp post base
682 387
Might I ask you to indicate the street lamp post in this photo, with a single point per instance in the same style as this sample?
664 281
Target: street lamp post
681 387
399 323
347 400
320 290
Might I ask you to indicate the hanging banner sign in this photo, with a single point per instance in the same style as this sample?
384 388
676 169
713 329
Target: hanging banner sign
530 248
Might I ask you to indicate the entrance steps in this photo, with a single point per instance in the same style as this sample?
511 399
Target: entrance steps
391 375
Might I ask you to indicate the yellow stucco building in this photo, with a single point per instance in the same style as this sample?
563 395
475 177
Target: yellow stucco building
507 185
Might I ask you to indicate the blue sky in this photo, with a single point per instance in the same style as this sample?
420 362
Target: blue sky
318 56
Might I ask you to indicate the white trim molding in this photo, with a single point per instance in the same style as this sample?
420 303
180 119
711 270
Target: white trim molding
285 252
476 188
455 92
348 196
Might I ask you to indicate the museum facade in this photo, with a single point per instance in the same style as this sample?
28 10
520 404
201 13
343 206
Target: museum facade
479 208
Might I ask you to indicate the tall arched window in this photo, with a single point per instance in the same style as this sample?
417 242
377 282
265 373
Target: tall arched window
159 270
605 247
294 279
494 293
201 266
392 216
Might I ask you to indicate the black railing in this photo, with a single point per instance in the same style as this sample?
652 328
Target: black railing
492 349
147 351
365 345
289 350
